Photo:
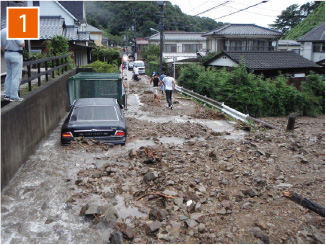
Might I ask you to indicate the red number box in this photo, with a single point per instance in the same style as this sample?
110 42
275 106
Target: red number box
23 23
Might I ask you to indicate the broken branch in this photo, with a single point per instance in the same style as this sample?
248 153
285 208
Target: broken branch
156 194
305 202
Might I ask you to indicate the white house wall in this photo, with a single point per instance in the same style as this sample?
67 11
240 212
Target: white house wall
223 61
217 44
306 50
51 8
318 57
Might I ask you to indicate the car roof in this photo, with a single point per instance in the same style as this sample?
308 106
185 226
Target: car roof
95 101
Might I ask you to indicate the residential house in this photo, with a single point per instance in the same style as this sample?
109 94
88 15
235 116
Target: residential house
242 37
65 18
95 34
140 43
313 44
180 45
289 45
268 63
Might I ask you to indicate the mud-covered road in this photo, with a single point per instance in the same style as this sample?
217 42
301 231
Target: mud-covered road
186 175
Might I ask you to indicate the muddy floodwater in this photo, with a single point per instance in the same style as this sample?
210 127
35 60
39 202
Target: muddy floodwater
187 175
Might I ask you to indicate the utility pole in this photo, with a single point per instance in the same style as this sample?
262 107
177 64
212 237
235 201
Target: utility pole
161 4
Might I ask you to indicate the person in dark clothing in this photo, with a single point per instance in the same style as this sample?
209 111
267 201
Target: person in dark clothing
156 83
155 80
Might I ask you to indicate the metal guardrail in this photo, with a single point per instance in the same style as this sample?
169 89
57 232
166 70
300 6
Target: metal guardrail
222 107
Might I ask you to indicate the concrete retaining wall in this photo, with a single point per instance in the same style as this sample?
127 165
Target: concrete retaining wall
24 124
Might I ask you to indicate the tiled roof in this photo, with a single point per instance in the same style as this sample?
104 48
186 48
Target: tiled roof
83 36
70 32
51 26
316 34
269 60
141 41
91 28
179 36
243 30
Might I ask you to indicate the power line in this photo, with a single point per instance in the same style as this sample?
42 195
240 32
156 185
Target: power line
262 8
222 4
241 10
254 12
193 9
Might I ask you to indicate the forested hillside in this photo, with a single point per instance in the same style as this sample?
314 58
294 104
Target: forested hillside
309 23
119 19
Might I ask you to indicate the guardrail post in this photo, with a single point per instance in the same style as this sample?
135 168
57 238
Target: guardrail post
53 75
29 75
46 70
62 69
66 62
39 71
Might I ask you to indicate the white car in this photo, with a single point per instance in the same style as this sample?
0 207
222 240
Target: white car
141 66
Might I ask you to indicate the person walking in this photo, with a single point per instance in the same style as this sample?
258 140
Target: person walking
169 86
13 53
136 73
155 80
162 84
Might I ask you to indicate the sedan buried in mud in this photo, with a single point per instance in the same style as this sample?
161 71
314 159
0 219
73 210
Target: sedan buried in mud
99 118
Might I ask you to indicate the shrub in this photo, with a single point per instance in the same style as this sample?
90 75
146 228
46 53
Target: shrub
103 67
255 95
313 90
57 45
108 55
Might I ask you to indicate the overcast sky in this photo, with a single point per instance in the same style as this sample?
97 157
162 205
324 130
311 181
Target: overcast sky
262 14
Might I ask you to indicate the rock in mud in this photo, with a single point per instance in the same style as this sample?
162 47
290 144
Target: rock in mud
261 224
116 238
152 226
109 214
191 223
249 192
127 231
150 176
257 232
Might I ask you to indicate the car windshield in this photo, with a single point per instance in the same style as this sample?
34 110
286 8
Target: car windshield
131 63
94 113
138 64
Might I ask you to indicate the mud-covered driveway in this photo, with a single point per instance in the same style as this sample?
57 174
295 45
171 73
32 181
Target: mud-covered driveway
186 175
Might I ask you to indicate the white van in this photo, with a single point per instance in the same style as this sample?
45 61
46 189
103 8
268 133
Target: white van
141 66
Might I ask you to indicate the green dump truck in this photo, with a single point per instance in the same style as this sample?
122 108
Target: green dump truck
96 85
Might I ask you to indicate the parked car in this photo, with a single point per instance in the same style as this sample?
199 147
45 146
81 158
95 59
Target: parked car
98 118
130 66
141 66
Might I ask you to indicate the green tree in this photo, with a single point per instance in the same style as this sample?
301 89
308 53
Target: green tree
135 18
313 20
293 15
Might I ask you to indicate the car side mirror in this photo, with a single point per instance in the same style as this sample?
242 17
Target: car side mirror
122 106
